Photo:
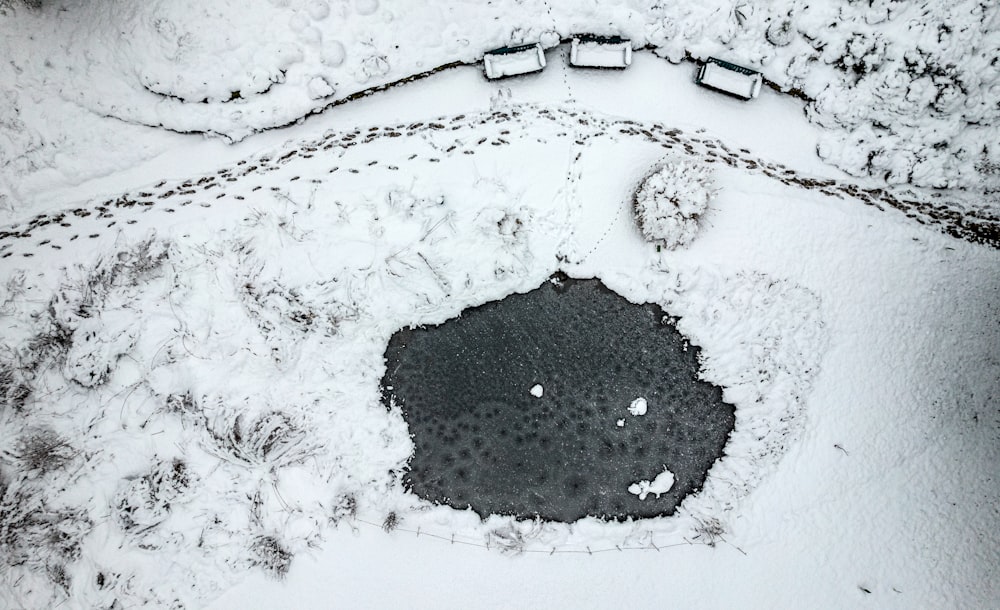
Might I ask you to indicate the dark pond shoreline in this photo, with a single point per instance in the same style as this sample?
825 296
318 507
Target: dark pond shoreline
482 439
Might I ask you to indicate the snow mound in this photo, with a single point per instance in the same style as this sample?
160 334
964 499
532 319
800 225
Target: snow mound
659 485
320 88
638 406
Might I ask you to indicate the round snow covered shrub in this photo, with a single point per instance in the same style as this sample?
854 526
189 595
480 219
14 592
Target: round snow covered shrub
670 201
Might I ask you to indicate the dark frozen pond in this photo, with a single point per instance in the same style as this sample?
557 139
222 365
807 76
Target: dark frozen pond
484 440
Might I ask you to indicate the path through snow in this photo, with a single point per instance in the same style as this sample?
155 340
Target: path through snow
466 135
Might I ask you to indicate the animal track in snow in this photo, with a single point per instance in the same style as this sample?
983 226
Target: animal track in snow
469 132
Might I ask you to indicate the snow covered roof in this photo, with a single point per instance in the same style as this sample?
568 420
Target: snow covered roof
730 78
510 61
588 50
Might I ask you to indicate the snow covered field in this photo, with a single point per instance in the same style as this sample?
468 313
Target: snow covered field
193 336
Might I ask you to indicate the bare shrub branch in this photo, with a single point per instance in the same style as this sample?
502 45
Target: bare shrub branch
36 536
268 553
271 440
14 386
344 507
145 502
42 451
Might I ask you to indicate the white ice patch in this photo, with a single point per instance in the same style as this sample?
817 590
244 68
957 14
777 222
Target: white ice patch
537 390
660 485
638 406
620 423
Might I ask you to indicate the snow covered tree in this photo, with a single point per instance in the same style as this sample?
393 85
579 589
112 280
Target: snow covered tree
670 200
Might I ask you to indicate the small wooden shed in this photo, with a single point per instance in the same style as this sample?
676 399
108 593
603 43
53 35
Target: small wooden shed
593 51
731 79
511 61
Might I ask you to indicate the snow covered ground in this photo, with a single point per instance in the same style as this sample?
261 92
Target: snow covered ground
193 345
905 90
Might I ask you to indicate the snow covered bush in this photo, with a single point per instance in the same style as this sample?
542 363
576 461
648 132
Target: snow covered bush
505 228
52 341
512 537
181 404
343 507
709 530
188 70
391 522
126 268
268 553
145 501
14 387
373 66
271 440
87 326
669 202
42 450
97 344
35 536
780 32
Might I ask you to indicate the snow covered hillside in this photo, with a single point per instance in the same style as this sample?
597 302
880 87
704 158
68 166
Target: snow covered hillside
194 331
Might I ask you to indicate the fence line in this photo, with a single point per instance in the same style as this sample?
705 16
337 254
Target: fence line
514 547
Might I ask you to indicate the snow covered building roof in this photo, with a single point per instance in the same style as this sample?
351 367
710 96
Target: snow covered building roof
592 51
723 76
510 61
